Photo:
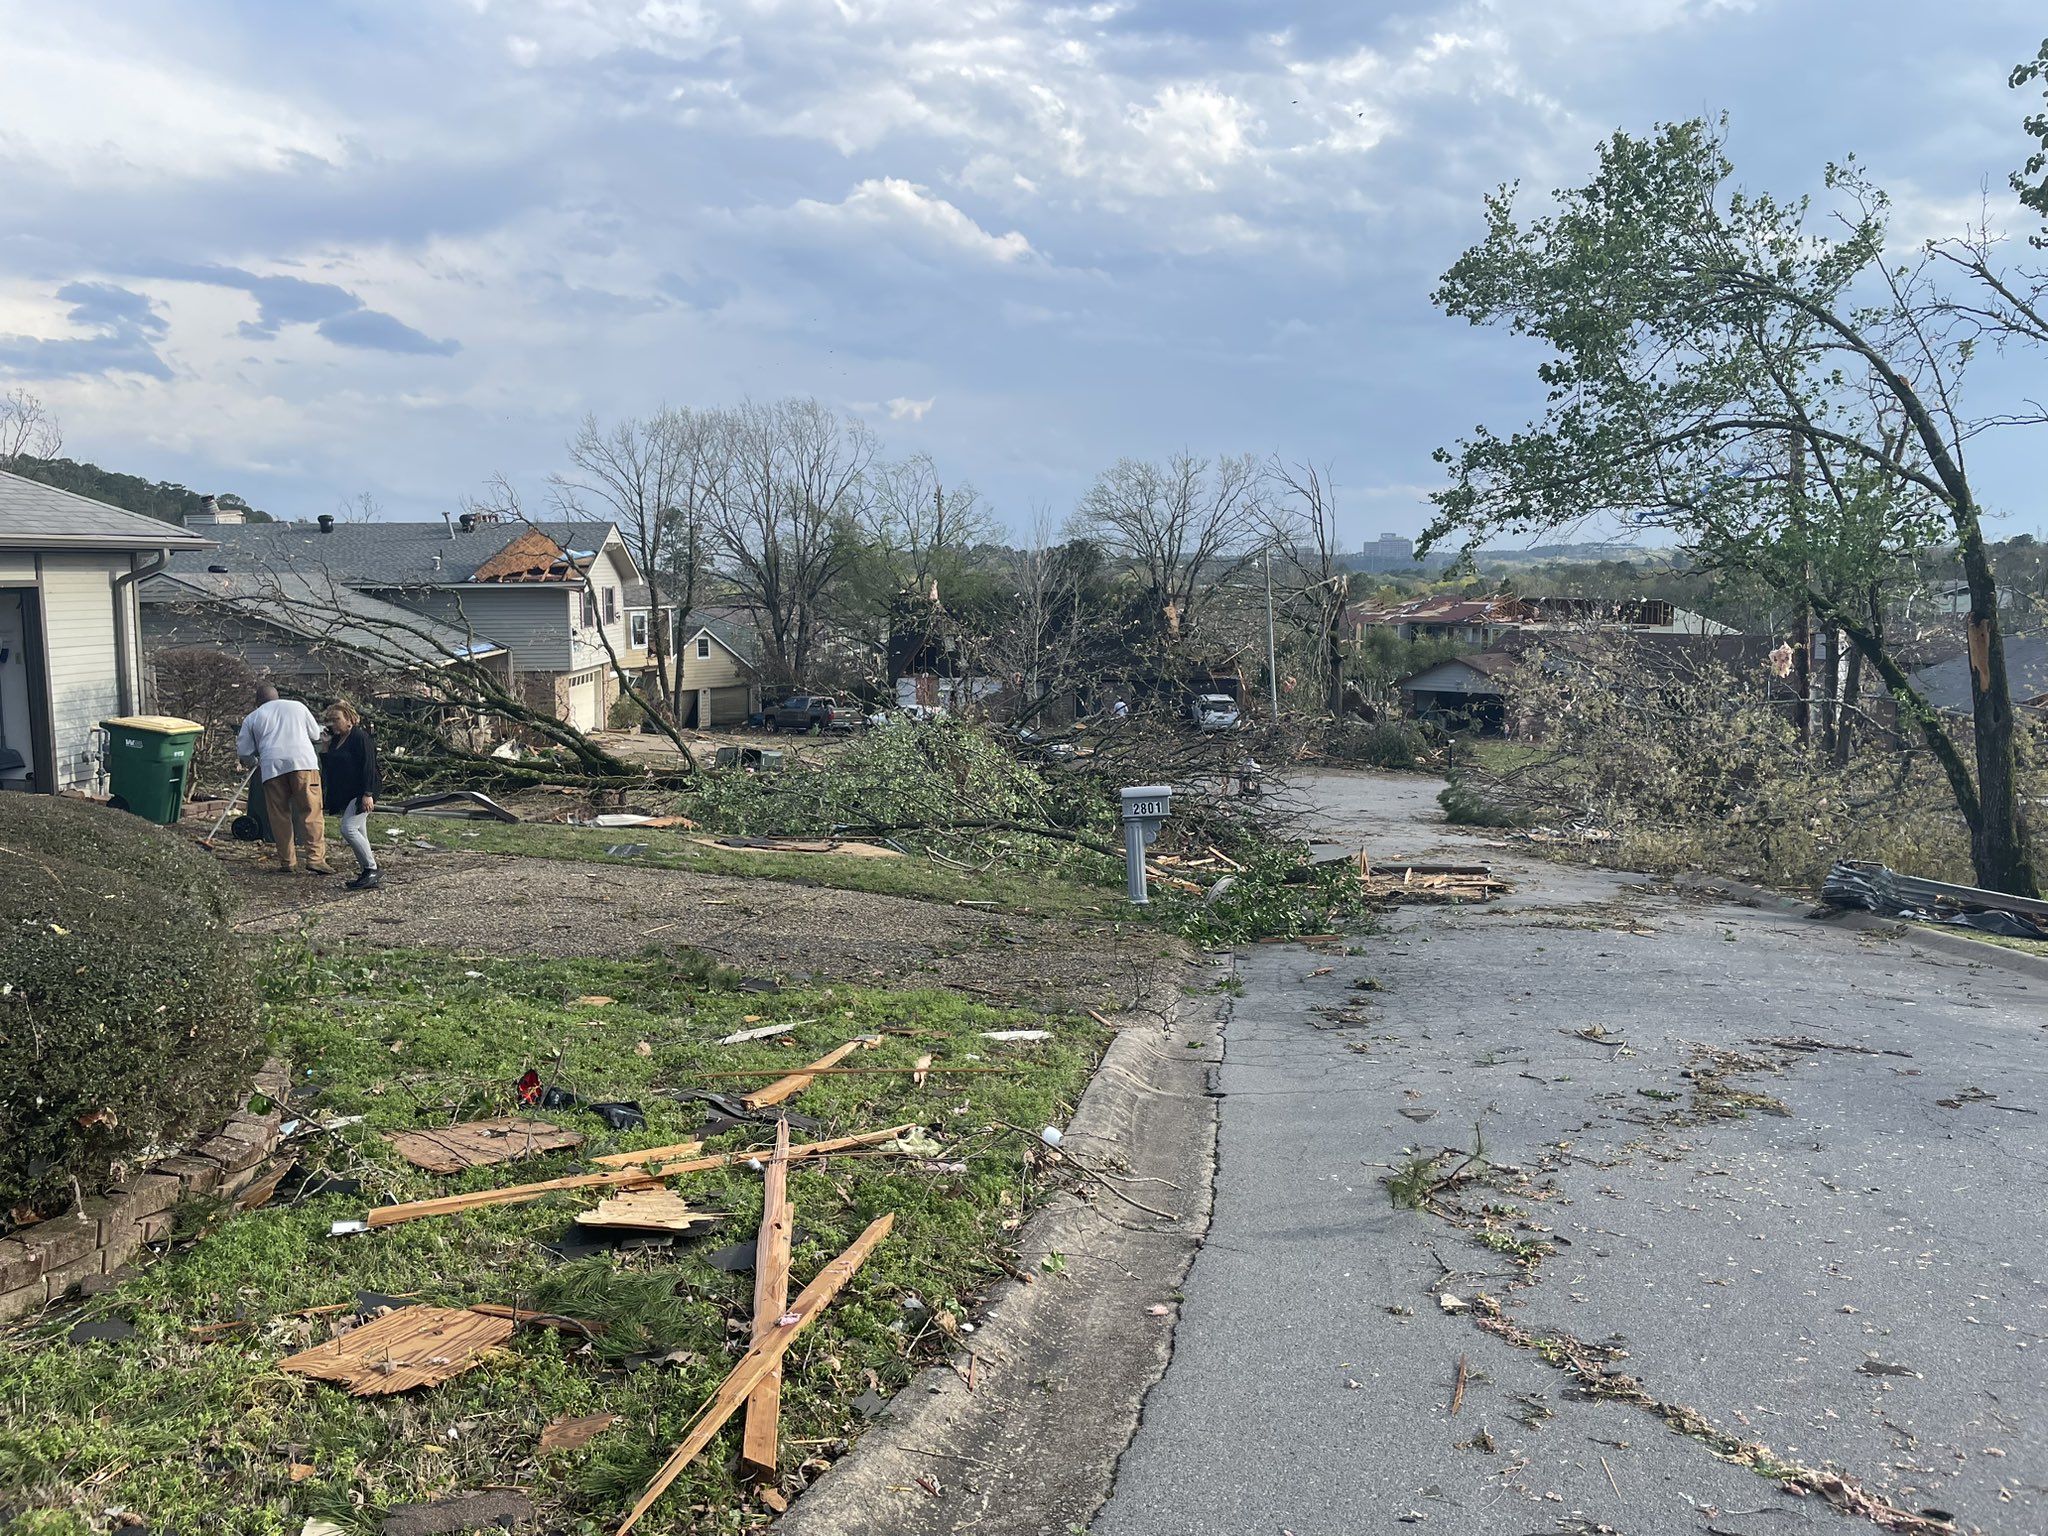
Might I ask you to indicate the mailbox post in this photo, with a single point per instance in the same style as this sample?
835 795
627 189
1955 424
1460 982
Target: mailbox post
1144 808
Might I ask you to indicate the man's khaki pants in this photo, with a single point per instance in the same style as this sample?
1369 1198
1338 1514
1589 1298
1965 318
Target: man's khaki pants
293 798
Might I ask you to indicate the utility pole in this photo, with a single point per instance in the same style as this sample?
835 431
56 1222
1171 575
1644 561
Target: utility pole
1272 661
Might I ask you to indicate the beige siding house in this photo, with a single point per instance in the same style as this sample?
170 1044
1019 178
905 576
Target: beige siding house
70 630
718 682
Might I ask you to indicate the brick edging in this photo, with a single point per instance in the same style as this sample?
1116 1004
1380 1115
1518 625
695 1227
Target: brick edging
42 1263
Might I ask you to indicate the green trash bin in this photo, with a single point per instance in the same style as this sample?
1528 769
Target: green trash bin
149 758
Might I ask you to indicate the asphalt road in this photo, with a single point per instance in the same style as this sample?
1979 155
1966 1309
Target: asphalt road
1847 1269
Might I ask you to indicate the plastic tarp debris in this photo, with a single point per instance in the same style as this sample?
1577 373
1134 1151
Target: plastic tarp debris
1862 887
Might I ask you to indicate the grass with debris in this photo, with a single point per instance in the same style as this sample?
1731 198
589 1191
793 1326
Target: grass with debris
1077 888
198 1432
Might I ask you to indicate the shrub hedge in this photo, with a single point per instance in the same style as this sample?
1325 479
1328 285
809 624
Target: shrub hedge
127 1008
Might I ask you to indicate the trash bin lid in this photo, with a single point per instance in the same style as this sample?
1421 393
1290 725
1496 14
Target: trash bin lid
160 725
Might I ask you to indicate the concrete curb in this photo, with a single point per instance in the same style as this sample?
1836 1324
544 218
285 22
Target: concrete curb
1924 934
1061 1366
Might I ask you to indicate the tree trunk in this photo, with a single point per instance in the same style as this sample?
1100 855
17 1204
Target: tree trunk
1998 848
1845 710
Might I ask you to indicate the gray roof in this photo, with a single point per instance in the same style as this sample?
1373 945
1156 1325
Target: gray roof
38 516
382 555
739 639
1946 684
323 611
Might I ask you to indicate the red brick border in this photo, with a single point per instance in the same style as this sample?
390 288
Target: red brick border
41 1263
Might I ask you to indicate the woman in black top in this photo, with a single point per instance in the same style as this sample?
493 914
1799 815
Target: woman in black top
349 780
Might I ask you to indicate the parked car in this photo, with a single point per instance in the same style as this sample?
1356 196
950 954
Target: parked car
1037 745
807 711
1213 712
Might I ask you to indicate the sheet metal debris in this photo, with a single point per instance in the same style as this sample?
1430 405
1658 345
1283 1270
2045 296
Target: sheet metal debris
466 804
1856 886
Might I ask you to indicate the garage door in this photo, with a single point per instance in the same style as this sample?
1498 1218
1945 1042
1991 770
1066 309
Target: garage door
730 706
585 711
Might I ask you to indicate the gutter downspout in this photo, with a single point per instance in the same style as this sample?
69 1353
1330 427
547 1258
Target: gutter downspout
127 644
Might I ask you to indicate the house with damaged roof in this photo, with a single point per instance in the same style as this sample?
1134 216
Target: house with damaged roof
544 601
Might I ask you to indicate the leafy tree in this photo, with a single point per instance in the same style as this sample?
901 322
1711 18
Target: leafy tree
1783 398
2030 181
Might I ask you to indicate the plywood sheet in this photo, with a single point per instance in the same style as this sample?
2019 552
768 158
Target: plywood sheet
481 1143
412 1347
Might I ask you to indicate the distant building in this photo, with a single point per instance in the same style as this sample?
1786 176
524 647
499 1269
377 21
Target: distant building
1389 552
1484 620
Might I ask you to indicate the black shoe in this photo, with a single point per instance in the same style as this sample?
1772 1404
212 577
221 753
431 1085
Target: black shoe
368 880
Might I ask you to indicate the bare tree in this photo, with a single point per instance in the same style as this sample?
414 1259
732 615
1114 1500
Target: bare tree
503 502
1185 527
651 478
1302 521
784 523
363 507
921 529
27 429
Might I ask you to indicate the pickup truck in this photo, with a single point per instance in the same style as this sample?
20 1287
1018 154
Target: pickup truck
807 711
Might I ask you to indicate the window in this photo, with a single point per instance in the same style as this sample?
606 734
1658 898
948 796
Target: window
703 647
611 605
636 631
587 610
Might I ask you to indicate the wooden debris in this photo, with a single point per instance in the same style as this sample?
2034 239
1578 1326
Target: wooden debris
266 1184
659 1166
595 1000
649 1155
766 1031
574 1434
516 1194
1458 1392
481 1143
646 1210
800 845
851 1071
756 1364
1430 882
794 1084
771 1299
412 1347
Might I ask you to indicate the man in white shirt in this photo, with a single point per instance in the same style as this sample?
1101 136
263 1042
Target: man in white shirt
281 740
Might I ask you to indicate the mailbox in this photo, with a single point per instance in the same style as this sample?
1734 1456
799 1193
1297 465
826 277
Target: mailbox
1144 808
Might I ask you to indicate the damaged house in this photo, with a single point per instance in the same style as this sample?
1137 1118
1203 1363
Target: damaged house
70 636
545 601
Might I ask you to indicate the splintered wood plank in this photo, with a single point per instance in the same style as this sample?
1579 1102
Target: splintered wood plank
789 1087
758 1361
759 1446
646 1210
618 1178
481 1143
513 1194
649 1155
412 1347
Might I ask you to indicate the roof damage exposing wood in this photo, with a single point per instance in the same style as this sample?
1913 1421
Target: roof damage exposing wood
481 1143
533 556
412 1347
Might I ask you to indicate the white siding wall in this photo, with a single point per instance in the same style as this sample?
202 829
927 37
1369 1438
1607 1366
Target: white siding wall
614 574
532 622
85 688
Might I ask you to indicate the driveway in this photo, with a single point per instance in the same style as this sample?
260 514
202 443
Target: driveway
1772 1187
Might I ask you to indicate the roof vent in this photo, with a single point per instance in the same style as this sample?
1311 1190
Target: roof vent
217 570
212 514
327 522
435 561
468 522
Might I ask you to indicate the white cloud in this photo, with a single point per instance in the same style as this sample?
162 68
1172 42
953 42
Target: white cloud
903 409
891 205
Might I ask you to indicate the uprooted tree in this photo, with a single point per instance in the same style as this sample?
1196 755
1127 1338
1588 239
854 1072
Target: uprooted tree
1785 399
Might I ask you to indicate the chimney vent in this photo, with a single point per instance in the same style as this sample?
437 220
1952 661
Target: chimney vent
212 514
437 562
327 522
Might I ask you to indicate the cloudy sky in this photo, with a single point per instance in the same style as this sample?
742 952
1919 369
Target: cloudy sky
305 251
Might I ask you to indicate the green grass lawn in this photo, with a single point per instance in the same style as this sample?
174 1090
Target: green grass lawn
199 1435
1083 884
